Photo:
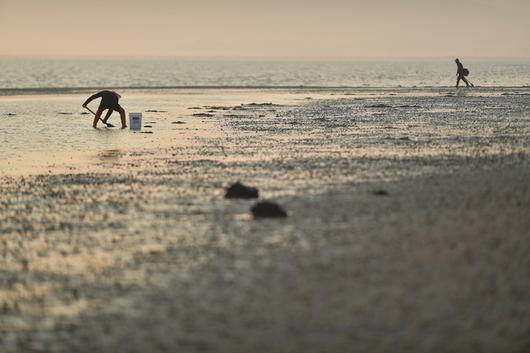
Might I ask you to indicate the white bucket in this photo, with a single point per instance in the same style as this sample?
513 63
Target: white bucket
135 121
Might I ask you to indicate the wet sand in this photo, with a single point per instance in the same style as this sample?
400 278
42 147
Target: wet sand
407 232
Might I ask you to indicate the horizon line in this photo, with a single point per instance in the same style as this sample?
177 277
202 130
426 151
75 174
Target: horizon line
261 58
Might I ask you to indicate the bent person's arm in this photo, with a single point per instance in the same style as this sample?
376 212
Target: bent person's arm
91 98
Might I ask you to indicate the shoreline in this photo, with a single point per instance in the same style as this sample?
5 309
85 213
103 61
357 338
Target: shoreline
192 108
75 90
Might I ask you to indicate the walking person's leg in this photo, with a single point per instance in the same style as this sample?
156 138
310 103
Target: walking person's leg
457 81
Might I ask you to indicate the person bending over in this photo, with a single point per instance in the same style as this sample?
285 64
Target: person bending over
109 101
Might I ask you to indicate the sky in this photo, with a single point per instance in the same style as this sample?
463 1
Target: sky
337 29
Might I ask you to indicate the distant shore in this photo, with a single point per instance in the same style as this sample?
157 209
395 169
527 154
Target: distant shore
76 90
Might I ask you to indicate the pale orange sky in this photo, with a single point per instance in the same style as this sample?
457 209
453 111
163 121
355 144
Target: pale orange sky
265 29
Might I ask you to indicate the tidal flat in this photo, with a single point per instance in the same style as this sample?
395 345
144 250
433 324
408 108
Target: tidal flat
407 230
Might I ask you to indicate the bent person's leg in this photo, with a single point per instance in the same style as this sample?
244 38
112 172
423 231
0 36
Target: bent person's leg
122 116
97 117
457 81
107 116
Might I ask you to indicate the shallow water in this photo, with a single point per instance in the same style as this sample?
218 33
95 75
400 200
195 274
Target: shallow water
42 130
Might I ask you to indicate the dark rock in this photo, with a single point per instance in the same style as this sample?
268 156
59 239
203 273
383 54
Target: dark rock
204 115
64 113
148 125
178 122
84 113
380 192
146 132
266 209
240 191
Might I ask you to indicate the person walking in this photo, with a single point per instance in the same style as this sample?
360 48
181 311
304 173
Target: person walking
462 72
109 101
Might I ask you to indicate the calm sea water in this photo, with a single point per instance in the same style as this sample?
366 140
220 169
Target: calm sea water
33 73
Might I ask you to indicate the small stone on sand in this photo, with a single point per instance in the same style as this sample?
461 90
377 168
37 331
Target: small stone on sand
266 209
241 191
380 192
178 122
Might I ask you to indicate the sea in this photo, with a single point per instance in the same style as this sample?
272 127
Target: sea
26 73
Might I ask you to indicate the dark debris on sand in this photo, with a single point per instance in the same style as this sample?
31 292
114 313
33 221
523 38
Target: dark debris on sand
241 191
178 122
267 209
379 106
263 105
380 192
217 107
203 115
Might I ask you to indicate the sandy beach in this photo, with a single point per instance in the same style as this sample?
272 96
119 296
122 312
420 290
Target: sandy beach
408 225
